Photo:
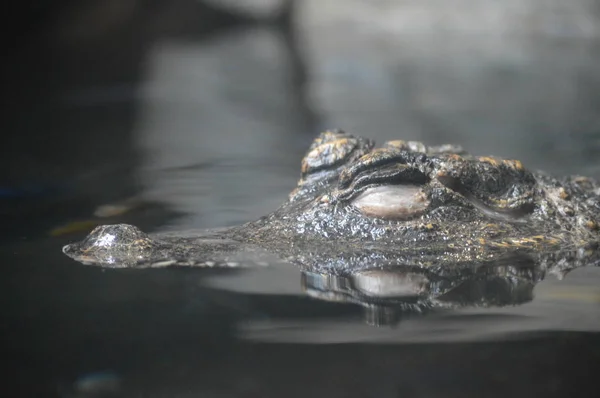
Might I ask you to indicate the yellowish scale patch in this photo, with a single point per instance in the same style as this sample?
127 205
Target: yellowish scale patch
528 242
490 160
515 164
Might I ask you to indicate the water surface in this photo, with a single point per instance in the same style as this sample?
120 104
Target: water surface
192 128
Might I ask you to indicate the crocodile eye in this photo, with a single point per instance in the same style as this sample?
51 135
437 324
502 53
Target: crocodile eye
392 202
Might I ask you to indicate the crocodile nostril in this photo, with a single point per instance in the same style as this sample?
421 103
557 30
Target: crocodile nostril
395 202
112 244
67 249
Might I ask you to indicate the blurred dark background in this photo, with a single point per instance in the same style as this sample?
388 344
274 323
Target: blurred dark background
175 114
208 106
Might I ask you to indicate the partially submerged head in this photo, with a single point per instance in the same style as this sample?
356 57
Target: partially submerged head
409 194
357 206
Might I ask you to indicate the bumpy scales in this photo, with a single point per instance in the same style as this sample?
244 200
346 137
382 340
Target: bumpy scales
402 204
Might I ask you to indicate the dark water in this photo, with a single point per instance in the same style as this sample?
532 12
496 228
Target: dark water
197 118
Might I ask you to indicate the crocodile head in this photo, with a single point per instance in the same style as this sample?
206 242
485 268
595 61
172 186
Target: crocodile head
358 205
406 194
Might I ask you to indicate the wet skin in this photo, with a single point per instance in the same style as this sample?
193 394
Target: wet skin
402 204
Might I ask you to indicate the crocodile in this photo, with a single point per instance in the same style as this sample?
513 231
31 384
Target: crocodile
388 295
400 205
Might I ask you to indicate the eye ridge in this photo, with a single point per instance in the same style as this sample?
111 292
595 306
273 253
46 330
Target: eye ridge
397 174
332 149
371 161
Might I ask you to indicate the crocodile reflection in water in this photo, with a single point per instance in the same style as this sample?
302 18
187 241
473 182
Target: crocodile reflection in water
358 207
388 294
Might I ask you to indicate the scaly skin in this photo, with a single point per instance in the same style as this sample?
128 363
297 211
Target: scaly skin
453 210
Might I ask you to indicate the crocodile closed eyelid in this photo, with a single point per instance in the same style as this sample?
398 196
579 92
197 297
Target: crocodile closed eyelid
392 202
